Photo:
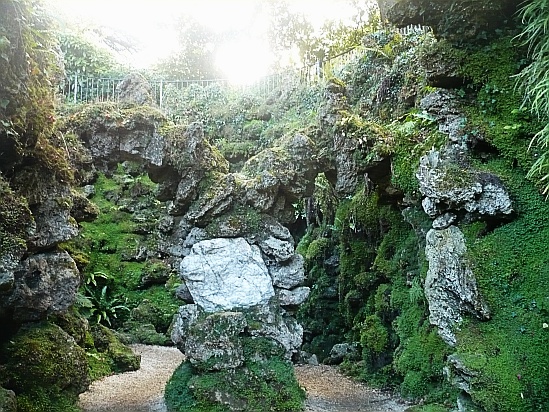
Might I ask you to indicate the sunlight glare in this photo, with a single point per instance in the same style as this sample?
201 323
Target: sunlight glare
244 62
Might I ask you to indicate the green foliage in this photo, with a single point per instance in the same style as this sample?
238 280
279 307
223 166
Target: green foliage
534 81
374 337
82 57
113 288
195 57
103 306
511 270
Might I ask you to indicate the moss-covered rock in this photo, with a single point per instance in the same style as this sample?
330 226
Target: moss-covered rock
45 367
8 403
456 19
120 356
266 382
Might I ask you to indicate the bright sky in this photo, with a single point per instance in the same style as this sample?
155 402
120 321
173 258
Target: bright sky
151 23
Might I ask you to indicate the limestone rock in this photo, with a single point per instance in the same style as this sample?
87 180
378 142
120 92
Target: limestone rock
441 106
459 374
294 297
183 320
182 292
82 209
135 89
279 176
195 235
214 344
223 274
280 250
218 198
450 285
289 274
443 221
44 284
52 214
449 184
341 351
273 323
8 265
460 19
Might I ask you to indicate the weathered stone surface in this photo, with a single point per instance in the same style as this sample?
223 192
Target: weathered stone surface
441 106
223 274
187 191
183 320
443 221
449 184
340 351
294 297
280 250
195 235
52 214
8 265
280 176
459 374
274 228
82 209
216 199
135 89
214 344
273 323
441 67
182 292
8 403
45 283
450 285
289 274
462 19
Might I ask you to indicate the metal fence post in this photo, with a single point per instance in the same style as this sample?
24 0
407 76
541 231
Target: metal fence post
75 87
161 92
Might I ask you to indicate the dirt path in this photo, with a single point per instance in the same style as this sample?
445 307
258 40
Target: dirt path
142 390
139 391
330 391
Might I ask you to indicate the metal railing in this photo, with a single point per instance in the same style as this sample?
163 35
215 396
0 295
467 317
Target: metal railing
78 88
83 89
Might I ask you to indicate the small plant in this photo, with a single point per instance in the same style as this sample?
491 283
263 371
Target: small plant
95 302
104 307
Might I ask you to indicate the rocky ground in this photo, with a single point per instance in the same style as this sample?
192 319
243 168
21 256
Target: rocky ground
142 390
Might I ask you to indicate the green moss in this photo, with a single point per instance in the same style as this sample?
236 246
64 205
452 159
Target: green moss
374 337
15 220
266 382
119 357
109 245
510 264
44 367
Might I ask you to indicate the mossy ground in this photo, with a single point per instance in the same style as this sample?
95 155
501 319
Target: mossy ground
108 248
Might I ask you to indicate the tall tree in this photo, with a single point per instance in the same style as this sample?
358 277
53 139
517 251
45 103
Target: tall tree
195 57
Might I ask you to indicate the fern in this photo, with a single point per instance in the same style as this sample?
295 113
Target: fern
534 80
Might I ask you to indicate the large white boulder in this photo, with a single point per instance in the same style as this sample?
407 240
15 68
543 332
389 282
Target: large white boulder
224 274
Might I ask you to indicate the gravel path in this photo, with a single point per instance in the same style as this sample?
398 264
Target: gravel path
139 391
142 390
330 391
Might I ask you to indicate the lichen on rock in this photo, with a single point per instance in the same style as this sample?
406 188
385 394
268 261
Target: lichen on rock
450 285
